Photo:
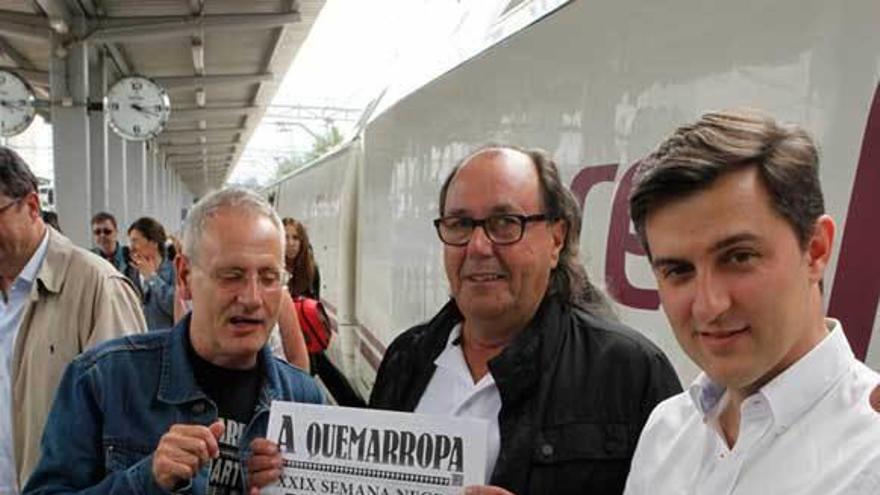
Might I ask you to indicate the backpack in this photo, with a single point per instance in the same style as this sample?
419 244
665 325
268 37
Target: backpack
314 322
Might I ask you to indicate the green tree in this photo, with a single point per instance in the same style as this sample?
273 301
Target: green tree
322 144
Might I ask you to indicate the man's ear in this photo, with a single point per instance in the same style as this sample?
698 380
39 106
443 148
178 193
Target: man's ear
558 232
819 247
32 202
183 267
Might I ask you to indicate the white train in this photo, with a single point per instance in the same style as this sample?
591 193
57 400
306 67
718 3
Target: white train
599 84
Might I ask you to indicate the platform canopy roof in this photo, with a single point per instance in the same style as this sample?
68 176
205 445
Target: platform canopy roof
220 60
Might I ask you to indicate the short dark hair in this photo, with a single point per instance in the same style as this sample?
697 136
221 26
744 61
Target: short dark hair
723 142
151 229
103 216
568 279
16 178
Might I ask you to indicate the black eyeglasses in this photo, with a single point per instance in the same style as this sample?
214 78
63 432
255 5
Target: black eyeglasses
102 231
9 205
502 229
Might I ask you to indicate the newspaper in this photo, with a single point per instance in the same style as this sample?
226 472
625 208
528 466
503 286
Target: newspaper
341 450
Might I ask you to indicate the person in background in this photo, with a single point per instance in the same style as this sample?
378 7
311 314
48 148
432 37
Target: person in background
305 281
185 410
51 219
152 271
731 215
58 300
107 246
299 259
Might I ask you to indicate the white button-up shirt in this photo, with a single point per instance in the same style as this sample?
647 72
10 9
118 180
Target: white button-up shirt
452 392
11 313
810 430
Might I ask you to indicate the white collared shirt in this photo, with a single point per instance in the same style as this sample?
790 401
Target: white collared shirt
452 392
11 313
810 430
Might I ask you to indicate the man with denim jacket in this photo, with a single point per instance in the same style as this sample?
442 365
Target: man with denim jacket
184 410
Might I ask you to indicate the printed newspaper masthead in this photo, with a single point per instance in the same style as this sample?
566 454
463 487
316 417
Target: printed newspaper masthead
341 450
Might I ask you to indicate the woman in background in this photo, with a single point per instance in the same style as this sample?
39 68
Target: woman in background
152 271
305 281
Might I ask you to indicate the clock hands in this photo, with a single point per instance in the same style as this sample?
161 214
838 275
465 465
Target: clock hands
14 105
143 109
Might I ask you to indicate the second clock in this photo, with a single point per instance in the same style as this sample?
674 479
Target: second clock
138 108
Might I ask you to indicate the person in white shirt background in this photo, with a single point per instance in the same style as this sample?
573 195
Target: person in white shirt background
731 214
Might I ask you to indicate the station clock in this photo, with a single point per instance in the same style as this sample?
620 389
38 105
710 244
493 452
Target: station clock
16 104
137 108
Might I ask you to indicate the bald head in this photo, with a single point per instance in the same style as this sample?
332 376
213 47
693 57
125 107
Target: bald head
512 163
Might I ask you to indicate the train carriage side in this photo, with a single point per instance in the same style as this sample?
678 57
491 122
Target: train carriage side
599 84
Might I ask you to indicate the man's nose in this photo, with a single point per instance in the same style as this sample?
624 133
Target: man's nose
711 298
250 292
479 244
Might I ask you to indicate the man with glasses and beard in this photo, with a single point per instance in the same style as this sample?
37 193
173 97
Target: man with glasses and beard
525 341
185 409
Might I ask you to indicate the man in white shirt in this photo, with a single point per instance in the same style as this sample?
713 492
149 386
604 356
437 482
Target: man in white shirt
731 214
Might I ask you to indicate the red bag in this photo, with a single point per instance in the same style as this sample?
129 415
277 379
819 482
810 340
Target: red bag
314 322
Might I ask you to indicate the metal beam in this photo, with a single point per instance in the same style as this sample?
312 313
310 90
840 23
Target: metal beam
197 167
217 160
59 14
190 171
16 56
190 82
197 147
166 139
24 31
210 112
194 133
119 59
150 28
17 17
211 163
190 157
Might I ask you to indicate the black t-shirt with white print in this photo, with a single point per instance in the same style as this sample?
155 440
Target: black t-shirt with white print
235 393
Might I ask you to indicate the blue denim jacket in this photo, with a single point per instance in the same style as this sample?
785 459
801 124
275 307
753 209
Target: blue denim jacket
116 401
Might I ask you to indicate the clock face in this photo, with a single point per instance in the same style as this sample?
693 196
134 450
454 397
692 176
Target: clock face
16 104
138 108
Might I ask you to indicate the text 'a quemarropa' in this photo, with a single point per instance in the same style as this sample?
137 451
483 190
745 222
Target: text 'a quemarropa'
378 446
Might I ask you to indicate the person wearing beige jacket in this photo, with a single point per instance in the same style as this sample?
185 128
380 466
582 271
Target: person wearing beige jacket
57 301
